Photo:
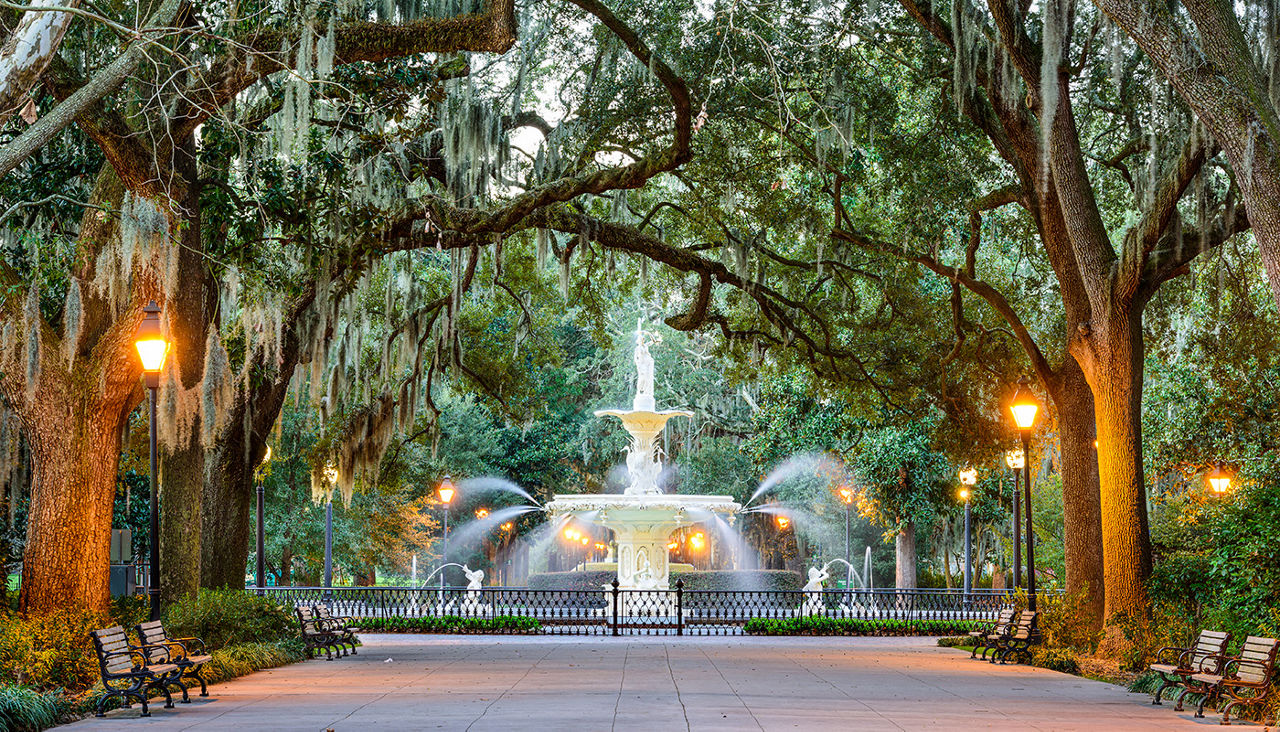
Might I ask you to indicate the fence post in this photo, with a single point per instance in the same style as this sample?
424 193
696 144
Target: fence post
614 617
679 607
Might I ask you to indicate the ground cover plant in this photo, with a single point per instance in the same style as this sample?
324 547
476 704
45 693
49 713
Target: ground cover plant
451 624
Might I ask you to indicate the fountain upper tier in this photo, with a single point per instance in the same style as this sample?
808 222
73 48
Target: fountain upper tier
643 517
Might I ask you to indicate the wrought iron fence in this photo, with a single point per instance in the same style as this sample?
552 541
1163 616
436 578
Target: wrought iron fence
613 611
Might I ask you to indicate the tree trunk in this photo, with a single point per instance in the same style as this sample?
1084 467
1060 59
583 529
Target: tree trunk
183 468
905 553
1113 366
1081 498
75 450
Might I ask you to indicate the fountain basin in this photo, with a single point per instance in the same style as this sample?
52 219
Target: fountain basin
642 526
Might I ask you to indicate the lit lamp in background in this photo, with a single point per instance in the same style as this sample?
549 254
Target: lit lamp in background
783 523
1015 459
482 513
261 573
1024 408
1219 480
508 526
445 492
152 349
331 475
846 497
698 541
968 479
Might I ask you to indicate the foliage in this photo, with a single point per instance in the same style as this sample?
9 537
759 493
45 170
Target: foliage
819 625
451 624
52 649
738 580
1055 659
223 618
24 709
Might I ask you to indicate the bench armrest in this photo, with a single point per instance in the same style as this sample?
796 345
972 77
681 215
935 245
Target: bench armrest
191 645
1172 655
145 649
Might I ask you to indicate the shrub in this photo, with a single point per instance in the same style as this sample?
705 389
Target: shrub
1055 659
452 624
23 709
224 617
743 580
955 641
819 625
586 581
52 649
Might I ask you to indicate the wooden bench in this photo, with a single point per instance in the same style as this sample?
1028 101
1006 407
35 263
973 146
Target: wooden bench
1245 678
997 627
339 625
314 635
128 672
1018 641
1173 665
187 653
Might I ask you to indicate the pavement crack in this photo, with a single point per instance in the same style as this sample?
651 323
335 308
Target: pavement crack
622 682
517 682
731 689
684 711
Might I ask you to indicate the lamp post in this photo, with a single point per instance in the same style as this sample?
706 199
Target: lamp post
1014 459
1024 408
330 473
968 478
445 492
261 573
152 348
1219 480
846 497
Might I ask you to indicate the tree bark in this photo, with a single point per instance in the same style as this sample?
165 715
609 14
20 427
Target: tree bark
1081 497
904 545
1112 356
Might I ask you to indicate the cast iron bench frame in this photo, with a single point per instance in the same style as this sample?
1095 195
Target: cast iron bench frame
998 627
339 625
121 661
179 650
1246 678
1173 665
1018 639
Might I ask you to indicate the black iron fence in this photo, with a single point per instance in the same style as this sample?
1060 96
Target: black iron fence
614 611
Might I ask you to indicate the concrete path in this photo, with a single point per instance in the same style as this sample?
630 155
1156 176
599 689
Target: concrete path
402 682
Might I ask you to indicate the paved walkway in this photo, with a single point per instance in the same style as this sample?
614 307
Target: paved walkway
401 682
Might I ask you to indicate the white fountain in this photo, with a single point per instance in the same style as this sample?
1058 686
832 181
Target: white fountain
642 517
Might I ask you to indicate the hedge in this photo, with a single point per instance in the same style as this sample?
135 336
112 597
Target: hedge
744 580
451 624
819 625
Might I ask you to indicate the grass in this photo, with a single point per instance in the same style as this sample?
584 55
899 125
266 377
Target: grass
23 709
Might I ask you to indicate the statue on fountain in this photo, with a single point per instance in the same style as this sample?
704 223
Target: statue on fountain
644 369
813 590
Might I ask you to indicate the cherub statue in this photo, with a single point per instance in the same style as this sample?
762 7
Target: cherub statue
475 578
813 590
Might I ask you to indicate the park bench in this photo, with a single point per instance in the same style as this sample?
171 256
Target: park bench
1018 640
1245 679
314 634
187 654
1173 665
987 628
339 625
128 671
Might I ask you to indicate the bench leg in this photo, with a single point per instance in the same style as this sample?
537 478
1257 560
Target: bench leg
204 688
1200 707
1177 705
1226 713
1164 684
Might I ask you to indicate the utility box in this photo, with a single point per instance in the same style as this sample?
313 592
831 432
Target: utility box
124 580
121 546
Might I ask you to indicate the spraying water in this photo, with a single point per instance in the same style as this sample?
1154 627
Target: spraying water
807 464
494 483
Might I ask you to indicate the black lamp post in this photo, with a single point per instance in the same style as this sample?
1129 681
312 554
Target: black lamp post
1014 459
261 573
445 493
1024 408
331 473
968 478
152 348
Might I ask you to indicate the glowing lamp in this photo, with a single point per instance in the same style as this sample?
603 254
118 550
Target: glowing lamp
969 476
1014 459
585 540
151 345
482 512
783 522
672 545
1024 405
846 494
1219 480
568 533
446 490
508 526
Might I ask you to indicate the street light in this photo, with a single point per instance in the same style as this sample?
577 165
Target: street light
1219 480
968 478
846 497
783 523
1014 459
261 574
482 513
331 475
445 492
152 348
1024 408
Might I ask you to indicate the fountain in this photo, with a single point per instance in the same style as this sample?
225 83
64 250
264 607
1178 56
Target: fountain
642 517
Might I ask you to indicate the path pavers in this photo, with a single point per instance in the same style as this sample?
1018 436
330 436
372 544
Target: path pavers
420 682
